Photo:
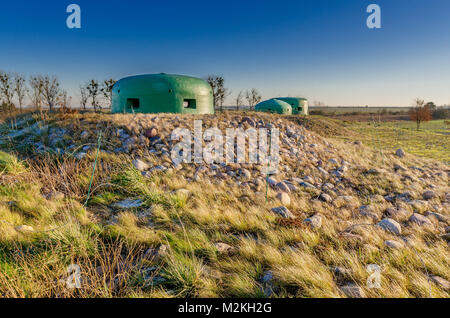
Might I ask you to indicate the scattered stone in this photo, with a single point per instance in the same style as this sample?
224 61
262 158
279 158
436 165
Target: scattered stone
446 237
390 225
352 237
283 187
428 195
223 248
325 197
244 173
353 291
399 167
291 187
398 214
140 165
284 198
333 161
151 133
419 219
314 221
307 185
341 272
284 212
272 182
393 244
24 229
367 211
373 171
128 204
400 153
438 216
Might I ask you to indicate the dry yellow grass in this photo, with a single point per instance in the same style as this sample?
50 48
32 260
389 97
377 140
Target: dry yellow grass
110 245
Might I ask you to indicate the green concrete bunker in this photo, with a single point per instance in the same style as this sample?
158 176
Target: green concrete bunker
284 105
162 93
299 105
274 106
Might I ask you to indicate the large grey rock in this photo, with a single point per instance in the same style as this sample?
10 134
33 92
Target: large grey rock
307 185
428 195
419 219
438 216
272 182
368 211
390 225
398 214
325 197
283 187
284 212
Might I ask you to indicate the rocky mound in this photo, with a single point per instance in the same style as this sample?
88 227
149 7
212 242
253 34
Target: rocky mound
320 181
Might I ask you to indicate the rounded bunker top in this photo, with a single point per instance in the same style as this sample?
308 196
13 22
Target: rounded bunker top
161 82
274 106
299 104
155 93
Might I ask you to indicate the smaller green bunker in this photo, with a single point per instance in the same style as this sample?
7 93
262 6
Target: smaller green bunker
162 93
299 105
274 106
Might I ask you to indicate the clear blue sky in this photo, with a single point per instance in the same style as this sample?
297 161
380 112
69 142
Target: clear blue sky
320 49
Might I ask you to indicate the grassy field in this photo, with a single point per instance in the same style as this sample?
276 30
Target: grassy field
432 140
170 242
361 110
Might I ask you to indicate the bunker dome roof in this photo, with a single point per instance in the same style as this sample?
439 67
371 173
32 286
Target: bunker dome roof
161 82
275 106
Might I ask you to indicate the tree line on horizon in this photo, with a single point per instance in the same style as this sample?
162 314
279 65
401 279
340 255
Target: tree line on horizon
46 91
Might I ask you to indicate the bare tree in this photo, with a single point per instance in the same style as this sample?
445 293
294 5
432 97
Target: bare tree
93 88
253 97
239 99
64 100
36 93
20 88
218 89
420 112
84 94
106 89
50 90
7 90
